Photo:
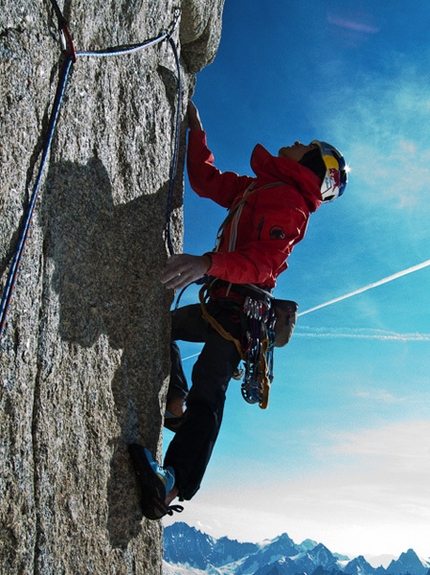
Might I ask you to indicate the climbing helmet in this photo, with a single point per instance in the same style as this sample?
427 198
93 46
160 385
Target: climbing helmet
336 176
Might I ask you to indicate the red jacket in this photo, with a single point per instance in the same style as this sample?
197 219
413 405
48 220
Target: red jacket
273 219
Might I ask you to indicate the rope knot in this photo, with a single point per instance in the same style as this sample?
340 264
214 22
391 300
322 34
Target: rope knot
67 42
176 14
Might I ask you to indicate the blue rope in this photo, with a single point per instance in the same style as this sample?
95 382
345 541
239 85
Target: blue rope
13 272
71 55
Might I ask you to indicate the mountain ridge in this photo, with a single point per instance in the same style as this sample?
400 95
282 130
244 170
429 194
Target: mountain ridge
188 551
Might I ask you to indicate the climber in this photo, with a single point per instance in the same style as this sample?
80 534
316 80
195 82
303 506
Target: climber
268 215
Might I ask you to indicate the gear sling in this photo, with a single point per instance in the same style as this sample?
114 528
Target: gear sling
270 322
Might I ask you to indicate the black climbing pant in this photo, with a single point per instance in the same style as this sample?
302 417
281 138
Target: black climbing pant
191 447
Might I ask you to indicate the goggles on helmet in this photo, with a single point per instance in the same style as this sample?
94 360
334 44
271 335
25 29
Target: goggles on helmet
336 176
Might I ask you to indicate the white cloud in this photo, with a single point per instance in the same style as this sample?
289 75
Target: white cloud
396 172
394 446
379 396
369 494
382 122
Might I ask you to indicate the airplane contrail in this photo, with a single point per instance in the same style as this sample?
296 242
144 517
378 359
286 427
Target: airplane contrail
368 287
190 356
360 333
355 292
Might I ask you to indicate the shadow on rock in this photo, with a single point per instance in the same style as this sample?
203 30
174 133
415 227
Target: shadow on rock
107 261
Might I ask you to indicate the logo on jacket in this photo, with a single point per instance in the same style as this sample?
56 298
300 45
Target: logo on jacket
277 233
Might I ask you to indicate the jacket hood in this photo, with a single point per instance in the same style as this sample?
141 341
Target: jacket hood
270 169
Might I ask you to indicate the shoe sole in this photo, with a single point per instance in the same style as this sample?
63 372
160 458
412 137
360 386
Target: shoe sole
153 491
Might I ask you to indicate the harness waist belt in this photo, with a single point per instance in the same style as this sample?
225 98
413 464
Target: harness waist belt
239 292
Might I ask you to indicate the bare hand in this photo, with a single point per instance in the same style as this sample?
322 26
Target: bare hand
194 121
183 269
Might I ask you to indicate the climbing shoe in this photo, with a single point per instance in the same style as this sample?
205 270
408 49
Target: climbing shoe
155 483
172 422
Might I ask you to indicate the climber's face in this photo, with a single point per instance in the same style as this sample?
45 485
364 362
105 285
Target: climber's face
296 151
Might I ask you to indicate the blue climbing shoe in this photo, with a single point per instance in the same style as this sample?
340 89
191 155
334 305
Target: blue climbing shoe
155 482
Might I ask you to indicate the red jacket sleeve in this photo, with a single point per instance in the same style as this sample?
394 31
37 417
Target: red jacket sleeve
272 221
205 179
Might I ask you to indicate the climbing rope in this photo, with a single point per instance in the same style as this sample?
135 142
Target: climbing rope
71 56
13 271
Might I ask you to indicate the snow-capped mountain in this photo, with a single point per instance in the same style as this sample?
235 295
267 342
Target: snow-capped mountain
186 545
408 562
359 566
188 551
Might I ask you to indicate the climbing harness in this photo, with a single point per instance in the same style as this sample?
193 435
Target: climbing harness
71 55
256 351
258 375
261 311
204 294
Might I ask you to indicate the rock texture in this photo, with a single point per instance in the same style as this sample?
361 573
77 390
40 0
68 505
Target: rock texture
84 356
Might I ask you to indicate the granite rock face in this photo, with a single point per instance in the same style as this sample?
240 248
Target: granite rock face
84 355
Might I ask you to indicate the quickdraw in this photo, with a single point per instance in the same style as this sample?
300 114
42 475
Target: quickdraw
258 360
257 353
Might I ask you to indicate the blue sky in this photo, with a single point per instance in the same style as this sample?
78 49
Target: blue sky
342 455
